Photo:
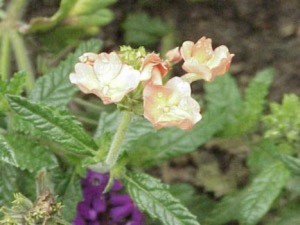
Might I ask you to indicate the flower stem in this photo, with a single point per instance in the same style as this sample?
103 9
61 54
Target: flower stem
22 58
115 147
5 57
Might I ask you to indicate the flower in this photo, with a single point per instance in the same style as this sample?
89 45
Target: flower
202 62
174 55
112 208
105 76
153 69
171 105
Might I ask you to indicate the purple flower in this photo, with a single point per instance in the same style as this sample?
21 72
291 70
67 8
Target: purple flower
112 208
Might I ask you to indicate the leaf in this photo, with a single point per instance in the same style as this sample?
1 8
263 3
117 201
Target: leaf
153 196
25 153
288 215
54 88
58 126
223 94
284 120
143 30
261 193
71 196
226 210
8 183
253 104
16 83
291 162
199 204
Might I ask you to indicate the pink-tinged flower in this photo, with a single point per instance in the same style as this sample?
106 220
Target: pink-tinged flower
105 76
202 62
174 55
153 69
171 105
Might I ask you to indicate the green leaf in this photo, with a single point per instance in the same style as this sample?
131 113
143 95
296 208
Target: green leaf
16 83
288 215
54 88
199 204
226 210
291 162
262 192
253 104
71 196
284 120
143 30
223 94
25 153
153 196
58 126
8 183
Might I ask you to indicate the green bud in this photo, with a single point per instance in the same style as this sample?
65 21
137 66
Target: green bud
131 56
84 7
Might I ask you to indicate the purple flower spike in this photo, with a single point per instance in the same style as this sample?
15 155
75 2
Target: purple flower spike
99 204
85 211
119 213
112 208
119 199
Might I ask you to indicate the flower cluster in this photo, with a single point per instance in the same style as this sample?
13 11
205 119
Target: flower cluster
132 76
112 208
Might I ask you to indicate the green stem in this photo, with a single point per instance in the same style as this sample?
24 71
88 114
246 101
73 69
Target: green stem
114 150
22 58
16 8
88 104
5 57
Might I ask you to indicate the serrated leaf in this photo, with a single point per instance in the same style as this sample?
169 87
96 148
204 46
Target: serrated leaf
291 162
16 83
54 88
8 183
288 215
199 204
58 126
153 197
223 94
226 210
71 197
25 153
261 193
253 104
284 120
143 30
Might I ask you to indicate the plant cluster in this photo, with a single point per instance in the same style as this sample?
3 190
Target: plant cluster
70 158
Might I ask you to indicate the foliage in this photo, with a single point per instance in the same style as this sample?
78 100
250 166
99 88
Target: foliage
284 120
45 150
141 29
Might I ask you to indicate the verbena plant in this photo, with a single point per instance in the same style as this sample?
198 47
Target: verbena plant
54 171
